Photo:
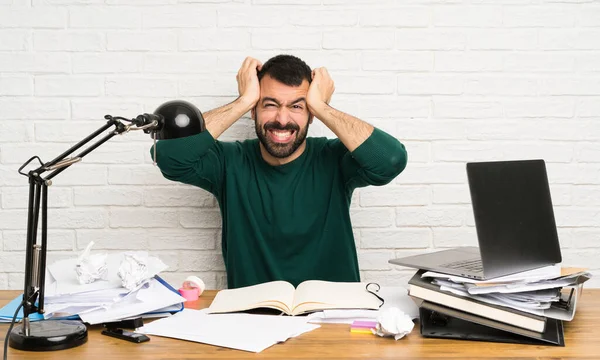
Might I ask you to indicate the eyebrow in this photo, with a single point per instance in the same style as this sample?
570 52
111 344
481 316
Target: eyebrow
300 99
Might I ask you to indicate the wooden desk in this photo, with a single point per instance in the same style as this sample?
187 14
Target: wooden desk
334 341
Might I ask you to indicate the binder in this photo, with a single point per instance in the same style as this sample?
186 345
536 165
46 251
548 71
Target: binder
438 321
8 311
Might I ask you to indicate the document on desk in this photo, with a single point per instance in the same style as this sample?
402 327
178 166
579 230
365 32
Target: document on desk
247 332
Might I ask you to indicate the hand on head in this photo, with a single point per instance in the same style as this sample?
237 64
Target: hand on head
247 79
320 90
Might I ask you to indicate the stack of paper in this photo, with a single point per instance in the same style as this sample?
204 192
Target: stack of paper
236 331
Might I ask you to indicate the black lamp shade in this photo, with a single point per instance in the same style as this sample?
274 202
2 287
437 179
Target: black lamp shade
180 119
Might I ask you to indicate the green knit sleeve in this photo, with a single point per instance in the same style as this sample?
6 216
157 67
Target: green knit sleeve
377 161
196 160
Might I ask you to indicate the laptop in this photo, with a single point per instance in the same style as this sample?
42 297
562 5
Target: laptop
514 219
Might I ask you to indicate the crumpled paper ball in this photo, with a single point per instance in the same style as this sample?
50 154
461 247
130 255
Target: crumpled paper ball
90 268
133 271
393 322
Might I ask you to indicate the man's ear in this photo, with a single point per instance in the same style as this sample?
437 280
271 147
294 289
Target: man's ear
253 113
310 118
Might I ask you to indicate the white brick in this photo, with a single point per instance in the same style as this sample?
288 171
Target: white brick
582 174
200 261
181 16
501 85
3 281
418 152
13 219
200 218
247 17
15 131
394 107
550 151
451 194
136 175
142 217
358 39
211 39
388 278
395 239
321 18
567 39
104 17
468 62
467 16
64 40
113 239
588 107
466 108
67 131
431 216
581 130
395 196
284 2
577 216
500 39
14 40
185 63
57 240
34 63
454 237
17 197
141 86
430 39
81 174
371 218
286 39
181 239
19 153
539 16
96 109
117 153
374 260
373 84
181 196
397 17
51 85
588 15
16 85
466 151
586 258
503 129
10 177
100 63
397 61
151 40
38 17
561 195
15 281
435 173
332 60
435 129
430 84
209 85
586 195
66 2
578 237
140 2
12 261
588 152
587 61
81 218
113 195
539 107
538 62
570 86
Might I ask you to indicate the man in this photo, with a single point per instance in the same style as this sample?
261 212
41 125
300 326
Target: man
284 198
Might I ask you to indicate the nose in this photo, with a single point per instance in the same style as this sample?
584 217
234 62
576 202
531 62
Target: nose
283 115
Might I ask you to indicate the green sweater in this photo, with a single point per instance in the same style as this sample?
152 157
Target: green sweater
289 222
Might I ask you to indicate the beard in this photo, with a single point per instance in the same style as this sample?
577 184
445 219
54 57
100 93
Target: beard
280 150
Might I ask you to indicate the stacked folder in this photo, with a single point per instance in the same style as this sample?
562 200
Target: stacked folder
525 310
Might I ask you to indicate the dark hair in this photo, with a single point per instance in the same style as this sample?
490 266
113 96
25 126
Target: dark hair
286 69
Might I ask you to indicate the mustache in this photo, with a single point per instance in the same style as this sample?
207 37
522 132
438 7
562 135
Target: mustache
278 126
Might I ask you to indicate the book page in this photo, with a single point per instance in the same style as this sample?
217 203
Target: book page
275 295
315 295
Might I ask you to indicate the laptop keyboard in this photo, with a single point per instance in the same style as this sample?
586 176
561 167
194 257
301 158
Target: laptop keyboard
474 265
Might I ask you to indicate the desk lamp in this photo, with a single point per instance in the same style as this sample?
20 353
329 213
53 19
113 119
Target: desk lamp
173 119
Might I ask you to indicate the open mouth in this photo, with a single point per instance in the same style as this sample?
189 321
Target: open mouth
281 136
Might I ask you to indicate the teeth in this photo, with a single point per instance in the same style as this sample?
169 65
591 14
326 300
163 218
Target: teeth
282 134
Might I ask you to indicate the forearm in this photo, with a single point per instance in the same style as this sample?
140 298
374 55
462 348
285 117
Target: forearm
351 131
220 119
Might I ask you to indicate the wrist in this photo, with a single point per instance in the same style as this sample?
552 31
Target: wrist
244 103
318 109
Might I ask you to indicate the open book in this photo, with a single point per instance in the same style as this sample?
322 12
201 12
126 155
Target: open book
310 296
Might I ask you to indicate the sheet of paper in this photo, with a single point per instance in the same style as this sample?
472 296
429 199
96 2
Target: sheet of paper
246 332
544 273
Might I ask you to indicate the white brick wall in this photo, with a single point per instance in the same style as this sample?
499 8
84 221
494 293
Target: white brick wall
456 81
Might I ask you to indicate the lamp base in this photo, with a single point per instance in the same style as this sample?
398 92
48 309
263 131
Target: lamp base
49 335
